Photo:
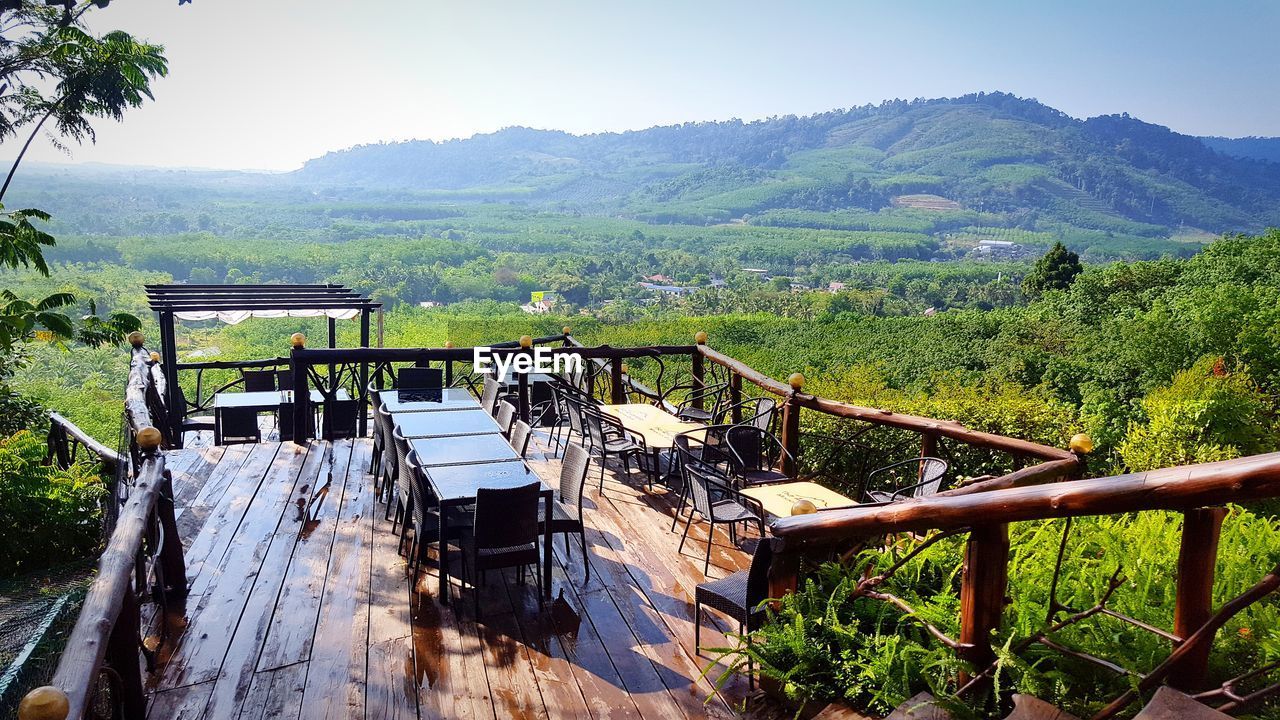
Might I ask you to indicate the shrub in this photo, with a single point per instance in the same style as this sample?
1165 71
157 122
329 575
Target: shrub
47 515
1207 413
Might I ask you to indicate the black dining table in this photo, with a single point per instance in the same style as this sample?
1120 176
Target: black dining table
457 485
444 424
428 400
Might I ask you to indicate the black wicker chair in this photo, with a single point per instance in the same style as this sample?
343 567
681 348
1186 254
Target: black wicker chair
259 380
426 520
505 417
521 432
420 378
733 509
739 596
504 534
386 458
760 412
922 475
567 513
685 399
605 439
752 455
339 420
234 425
284 379
284 422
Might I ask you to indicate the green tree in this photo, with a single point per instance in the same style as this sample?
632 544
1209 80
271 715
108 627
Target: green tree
1055 271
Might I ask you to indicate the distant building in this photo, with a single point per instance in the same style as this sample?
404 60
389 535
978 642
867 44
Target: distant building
761 273
660 279
541 302
835 287
998 249
430 304
668 289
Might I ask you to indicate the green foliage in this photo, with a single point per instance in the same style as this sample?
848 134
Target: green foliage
1207 413
1055 271
47 515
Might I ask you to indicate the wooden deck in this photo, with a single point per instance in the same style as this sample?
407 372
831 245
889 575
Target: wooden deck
300 606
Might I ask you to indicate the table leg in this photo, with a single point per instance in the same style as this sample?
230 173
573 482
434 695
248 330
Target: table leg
443 542
546 546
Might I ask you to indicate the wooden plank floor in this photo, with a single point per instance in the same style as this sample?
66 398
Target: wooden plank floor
300 606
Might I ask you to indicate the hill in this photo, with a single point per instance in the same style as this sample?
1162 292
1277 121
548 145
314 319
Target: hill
989 152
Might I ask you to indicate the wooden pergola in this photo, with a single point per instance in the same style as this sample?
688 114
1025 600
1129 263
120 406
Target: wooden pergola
234 303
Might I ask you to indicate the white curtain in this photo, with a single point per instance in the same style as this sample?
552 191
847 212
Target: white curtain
232 317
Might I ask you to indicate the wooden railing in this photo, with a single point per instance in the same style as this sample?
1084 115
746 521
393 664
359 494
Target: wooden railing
65 439
1197 491
101 663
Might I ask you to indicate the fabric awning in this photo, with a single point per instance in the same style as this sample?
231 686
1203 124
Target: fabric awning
232 317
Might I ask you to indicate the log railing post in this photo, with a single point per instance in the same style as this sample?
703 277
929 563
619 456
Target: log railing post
983 586
698 369
735 397
618 393
301 391
173 567
791 427
784 570
928 448
1196 560
122 657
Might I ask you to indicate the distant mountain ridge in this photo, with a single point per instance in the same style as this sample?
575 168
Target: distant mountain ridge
991 152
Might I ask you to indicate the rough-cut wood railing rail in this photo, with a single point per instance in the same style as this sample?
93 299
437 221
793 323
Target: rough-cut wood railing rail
65 437
1196 491
104 647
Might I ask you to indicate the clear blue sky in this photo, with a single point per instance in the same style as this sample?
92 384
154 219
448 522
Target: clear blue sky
267 84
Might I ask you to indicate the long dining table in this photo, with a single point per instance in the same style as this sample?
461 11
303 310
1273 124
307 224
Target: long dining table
461 449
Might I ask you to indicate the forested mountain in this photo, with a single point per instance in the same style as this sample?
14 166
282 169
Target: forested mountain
990 151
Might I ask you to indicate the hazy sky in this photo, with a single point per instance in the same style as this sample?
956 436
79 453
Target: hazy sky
267 84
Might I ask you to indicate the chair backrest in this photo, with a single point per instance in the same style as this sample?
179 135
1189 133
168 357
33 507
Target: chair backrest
573 477
419 378
284 379
259 380
489 396
697 476
507 517
748 444
284 420
759 412
506 414
404 471
931 471
573 409
238 425
340 418
520 434
593 426
382 416
758 574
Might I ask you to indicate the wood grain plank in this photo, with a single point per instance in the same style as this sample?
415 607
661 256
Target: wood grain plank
236 673
390 691
272 695
184 703
212 624
315 524
335 685
390 685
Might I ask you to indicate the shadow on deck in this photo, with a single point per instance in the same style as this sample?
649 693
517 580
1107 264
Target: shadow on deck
300 605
